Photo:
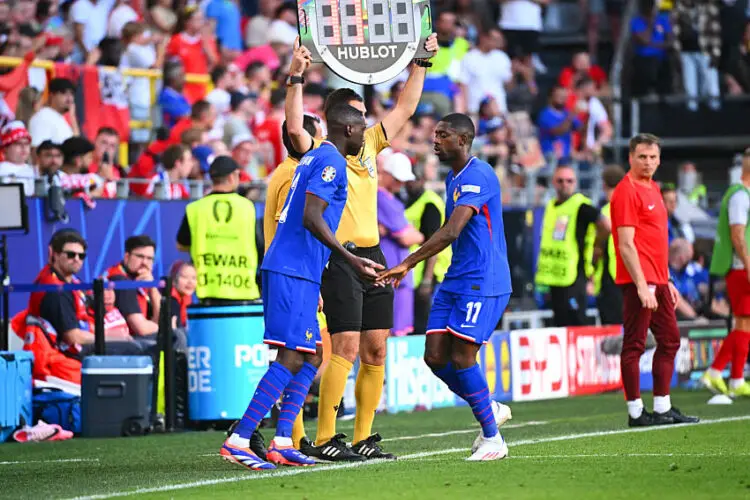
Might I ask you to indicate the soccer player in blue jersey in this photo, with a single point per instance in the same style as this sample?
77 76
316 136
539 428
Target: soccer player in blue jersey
476 288
291 273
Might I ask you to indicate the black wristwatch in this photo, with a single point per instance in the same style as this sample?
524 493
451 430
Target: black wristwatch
423 63
294 80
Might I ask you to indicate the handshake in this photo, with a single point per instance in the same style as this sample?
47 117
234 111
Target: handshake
370 270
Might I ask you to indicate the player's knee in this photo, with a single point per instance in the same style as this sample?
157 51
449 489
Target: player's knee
291 360
315 359
345 346
462 360
373 354
435 359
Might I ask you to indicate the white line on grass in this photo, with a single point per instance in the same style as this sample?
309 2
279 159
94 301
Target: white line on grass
51 461
413 456
464 431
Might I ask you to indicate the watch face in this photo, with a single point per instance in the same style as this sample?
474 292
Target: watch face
365 41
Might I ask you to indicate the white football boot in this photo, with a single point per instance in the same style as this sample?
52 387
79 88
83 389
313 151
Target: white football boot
493 448
502 414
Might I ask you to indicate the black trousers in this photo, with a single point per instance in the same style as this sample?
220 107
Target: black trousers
569 304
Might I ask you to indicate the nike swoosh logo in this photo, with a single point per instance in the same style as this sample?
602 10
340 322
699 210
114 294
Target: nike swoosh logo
651 207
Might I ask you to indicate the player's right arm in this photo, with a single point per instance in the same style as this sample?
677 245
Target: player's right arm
629 255
293 108
320 190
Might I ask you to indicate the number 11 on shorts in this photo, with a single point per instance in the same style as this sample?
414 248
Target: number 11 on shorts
472 311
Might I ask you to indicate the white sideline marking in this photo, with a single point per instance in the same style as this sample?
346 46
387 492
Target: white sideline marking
464 431
438 434
51 461
322 468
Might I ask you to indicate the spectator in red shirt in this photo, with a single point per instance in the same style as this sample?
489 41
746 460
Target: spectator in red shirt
581 66
639 222
145 166
269 132
195 45
178 162
202 116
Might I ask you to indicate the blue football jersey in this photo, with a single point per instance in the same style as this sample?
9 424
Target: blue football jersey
480 256
294 250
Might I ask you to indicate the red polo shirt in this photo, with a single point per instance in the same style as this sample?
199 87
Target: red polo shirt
640 206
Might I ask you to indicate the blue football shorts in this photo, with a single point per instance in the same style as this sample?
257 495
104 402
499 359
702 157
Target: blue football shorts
290 307
468 317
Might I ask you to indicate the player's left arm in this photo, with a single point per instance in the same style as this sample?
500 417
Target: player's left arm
408 100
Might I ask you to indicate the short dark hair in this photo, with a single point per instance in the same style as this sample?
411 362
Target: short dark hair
191 135
60 85
308 123
341 115
199 109
647 139
139 241
461 123
278 97
107 131
583 81
65 236
340 96
554 89
612 175
253 67
172 155
218 73
171 69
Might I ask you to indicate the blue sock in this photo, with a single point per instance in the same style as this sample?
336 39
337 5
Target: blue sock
294 397
269 389
476 393
448 375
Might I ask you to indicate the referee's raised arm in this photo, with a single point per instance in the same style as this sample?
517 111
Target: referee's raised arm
293 107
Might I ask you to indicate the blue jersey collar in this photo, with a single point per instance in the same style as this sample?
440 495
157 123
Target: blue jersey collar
465 167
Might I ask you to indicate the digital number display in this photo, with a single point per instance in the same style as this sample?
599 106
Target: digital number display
343 22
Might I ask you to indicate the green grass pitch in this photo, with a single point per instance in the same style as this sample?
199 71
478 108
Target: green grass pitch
577 448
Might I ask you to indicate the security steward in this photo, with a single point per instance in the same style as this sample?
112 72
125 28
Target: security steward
571 229
608 295
425 210
219 231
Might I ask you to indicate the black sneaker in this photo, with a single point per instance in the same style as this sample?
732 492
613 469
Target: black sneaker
675 416
645 420
258 445
334 450
370 449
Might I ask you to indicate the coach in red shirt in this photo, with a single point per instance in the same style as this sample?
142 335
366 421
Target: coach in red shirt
639 228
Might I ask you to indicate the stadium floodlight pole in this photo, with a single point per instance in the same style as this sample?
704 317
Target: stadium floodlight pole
99 347
165 330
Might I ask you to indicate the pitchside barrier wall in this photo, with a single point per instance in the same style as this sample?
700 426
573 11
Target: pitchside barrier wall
535 364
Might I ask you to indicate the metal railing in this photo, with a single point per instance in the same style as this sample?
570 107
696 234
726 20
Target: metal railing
616 78
153 75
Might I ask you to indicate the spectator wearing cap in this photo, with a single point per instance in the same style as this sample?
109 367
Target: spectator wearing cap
49 123
281 37
178 163
486 71
396 234
204 156
237 123
226 15
172 102
222 235
243 152
195 46
202 116
16 154
89 19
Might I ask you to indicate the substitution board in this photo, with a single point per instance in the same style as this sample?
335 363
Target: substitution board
365 41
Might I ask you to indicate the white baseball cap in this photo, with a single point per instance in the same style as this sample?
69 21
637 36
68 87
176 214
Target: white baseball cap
399 166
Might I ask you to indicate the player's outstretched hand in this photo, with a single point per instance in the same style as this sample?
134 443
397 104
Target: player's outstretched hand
431 44
394 275
366 268
648 299
301 59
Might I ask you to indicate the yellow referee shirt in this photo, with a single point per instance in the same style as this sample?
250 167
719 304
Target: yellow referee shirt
359 222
